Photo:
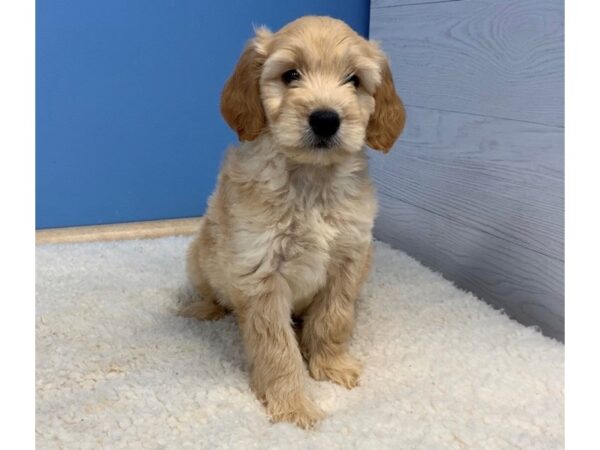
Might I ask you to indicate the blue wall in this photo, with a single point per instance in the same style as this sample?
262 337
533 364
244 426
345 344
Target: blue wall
127 108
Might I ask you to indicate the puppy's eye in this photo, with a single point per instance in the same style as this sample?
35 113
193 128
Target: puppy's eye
290 75
354 80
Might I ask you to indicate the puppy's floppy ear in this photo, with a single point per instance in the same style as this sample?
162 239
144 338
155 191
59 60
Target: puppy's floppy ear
241 106
387 121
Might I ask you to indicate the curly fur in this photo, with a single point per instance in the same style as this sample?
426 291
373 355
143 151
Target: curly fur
288 229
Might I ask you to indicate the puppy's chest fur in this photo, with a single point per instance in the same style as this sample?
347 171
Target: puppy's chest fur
297 220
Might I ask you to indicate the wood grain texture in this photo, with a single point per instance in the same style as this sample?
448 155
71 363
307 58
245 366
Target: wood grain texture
396 3
527 285
475 186
501 177
481 200
500 58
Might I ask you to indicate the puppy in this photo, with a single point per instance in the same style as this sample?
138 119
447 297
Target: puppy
288 229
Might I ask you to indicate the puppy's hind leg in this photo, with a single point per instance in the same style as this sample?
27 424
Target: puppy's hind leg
202 303
205 308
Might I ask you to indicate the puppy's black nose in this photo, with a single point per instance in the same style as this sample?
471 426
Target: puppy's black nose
324 122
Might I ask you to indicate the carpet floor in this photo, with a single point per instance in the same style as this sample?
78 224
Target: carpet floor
116 368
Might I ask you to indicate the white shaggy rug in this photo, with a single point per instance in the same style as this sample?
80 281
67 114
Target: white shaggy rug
117 369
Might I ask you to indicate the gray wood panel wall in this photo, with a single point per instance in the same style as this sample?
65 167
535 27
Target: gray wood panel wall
475 186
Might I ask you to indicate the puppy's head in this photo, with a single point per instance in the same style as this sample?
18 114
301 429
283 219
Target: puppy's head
320 89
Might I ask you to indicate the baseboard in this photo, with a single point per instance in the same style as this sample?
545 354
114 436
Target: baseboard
120 231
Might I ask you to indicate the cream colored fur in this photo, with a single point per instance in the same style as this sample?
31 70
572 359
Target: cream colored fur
288 230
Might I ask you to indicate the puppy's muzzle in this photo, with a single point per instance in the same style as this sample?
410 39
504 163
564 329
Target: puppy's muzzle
324 124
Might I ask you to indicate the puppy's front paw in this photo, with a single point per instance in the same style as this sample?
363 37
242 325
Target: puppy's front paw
342 369
301 411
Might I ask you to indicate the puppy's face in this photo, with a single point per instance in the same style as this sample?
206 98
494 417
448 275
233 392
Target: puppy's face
321 90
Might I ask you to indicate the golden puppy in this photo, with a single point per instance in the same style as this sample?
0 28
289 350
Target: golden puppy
288 229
